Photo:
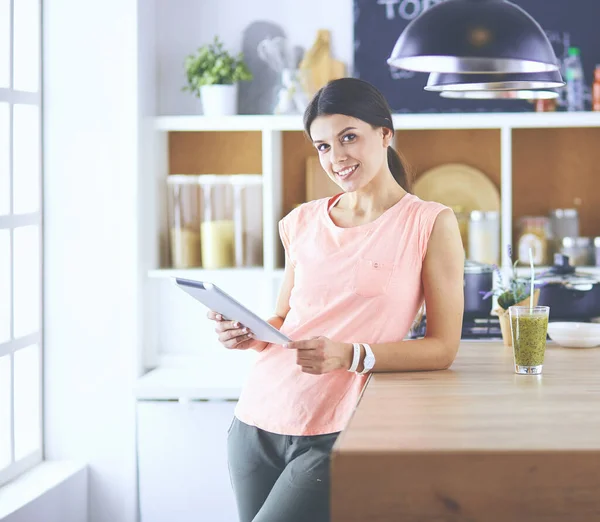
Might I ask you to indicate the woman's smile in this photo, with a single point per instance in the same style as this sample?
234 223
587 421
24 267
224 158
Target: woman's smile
346 172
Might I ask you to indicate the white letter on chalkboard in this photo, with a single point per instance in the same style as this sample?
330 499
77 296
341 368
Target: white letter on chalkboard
413 12
389 7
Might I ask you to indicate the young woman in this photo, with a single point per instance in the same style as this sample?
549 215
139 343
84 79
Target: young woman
358 268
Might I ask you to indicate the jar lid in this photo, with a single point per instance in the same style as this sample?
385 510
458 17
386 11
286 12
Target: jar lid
214 179
534 220
484 215
564 212
579 242
474 267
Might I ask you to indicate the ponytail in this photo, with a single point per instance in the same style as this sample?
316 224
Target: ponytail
398 169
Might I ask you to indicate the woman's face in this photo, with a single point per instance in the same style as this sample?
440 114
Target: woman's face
351 151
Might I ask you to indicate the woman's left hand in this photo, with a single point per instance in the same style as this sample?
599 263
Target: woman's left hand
321 355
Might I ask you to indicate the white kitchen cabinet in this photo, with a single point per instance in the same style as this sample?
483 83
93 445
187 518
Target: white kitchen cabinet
182 461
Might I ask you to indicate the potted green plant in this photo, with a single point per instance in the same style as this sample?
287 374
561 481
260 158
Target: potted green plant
511 290
212 75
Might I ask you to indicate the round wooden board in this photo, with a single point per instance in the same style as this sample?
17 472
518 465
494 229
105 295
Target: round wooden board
458 186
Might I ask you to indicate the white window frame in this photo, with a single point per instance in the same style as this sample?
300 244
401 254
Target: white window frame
11 222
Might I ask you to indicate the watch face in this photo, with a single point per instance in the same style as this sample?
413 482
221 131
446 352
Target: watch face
369 361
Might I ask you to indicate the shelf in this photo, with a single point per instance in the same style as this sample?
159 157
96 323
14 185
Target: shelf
200 274
524 271
192 382
448 121
240 122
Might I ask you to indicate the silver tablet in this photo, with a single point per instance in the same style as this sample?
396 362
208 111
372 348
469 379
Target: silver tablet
218 301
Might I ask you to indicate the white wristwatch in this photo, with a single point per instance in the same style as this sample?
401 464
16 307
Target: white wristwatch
369 361
355 357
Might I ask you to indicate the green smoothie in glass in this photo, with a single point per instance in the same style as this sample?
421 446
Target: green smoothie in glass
529 327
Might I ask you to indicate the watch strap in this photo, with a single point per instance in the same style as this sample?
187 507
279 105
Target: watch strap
368 354
355 357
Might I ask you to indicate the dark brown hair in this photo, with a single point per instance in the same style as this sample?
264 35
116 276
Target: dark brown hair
357 99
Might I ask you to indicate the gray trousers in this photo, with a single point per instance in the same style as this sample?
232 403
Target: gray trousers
279 478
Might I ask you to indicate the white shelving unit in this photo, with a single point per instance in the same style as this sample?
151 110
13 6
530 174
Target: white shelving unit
272 127
173 327
496 120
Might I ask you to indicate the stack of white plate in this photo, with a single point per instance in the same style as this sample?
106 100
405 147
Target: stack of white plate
575 335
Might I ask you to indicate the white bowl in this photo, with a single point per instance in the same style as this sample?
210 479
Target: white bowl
575 335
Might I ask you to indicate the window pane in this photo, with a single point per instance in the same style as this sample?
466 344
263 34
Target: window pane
4 159
5 400
27 401
26 267
26 158
26 53
5 308
5 43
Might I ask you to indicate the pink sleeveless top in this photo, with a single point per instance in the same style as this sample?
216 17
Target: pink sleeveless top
359 284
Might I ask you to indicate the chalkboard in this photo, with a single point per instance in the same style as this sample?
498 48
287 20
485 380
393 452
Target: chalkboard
378 23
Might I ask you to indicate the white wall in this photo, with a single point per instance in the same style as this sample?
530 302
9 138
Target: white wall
185 25
91 245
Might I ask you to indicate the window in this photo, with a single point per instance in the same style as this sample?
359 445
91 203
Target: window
20 237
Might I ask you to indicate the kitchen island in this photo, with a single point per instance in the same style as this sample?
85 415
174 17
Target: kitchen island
475 443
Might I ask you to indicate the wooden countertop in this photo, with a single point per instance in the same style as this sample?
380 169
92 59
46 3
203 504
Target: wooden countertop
475 443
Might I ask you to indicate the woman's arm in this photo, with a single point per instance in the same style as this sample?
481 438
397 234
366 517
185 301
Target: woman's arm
443 273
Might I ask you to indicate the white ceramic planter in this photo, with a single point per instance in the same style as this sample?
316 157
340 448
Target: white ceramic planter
219 100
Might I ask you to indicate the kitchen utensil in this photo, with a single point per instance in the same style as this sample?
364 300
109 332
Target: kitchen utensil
318 64
291 98
570 293
260 95
574 334
478 280
318 183
281 58
457 184
275 52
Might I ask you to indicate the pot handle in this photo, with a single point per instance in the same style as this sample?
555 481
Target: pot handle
585 287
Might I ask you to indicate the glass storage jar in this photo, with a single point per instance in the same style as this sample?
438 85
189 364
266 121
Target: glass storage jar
484 237
216 221
564 222
534 234
248 219
579 249
184 221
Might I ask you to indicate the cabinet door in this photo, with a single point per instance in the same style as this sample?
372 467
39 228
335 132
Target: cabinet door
182 461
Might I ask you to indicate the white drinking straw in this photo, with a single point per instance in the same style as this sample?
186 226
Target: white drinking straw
532 275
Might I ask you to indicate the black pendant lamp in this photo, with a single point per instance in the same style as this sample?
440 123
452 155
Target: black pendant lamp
438 82
474 36
522 94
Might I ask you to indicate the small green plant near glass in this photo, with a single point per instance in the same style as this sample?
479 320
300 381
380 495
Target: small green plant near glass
212 64
513 291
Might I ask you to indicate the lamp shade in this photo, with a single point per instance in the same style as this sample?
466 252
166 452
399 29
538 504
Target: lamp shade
474 36
523 94
494 82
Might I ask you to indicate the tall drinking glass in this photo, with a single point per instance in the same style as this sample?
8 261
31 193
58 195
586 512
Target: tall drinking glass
529 327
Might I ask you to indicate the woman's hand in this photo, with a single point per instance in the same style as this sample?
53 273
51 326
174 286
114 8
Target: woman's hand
233 335
321 355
